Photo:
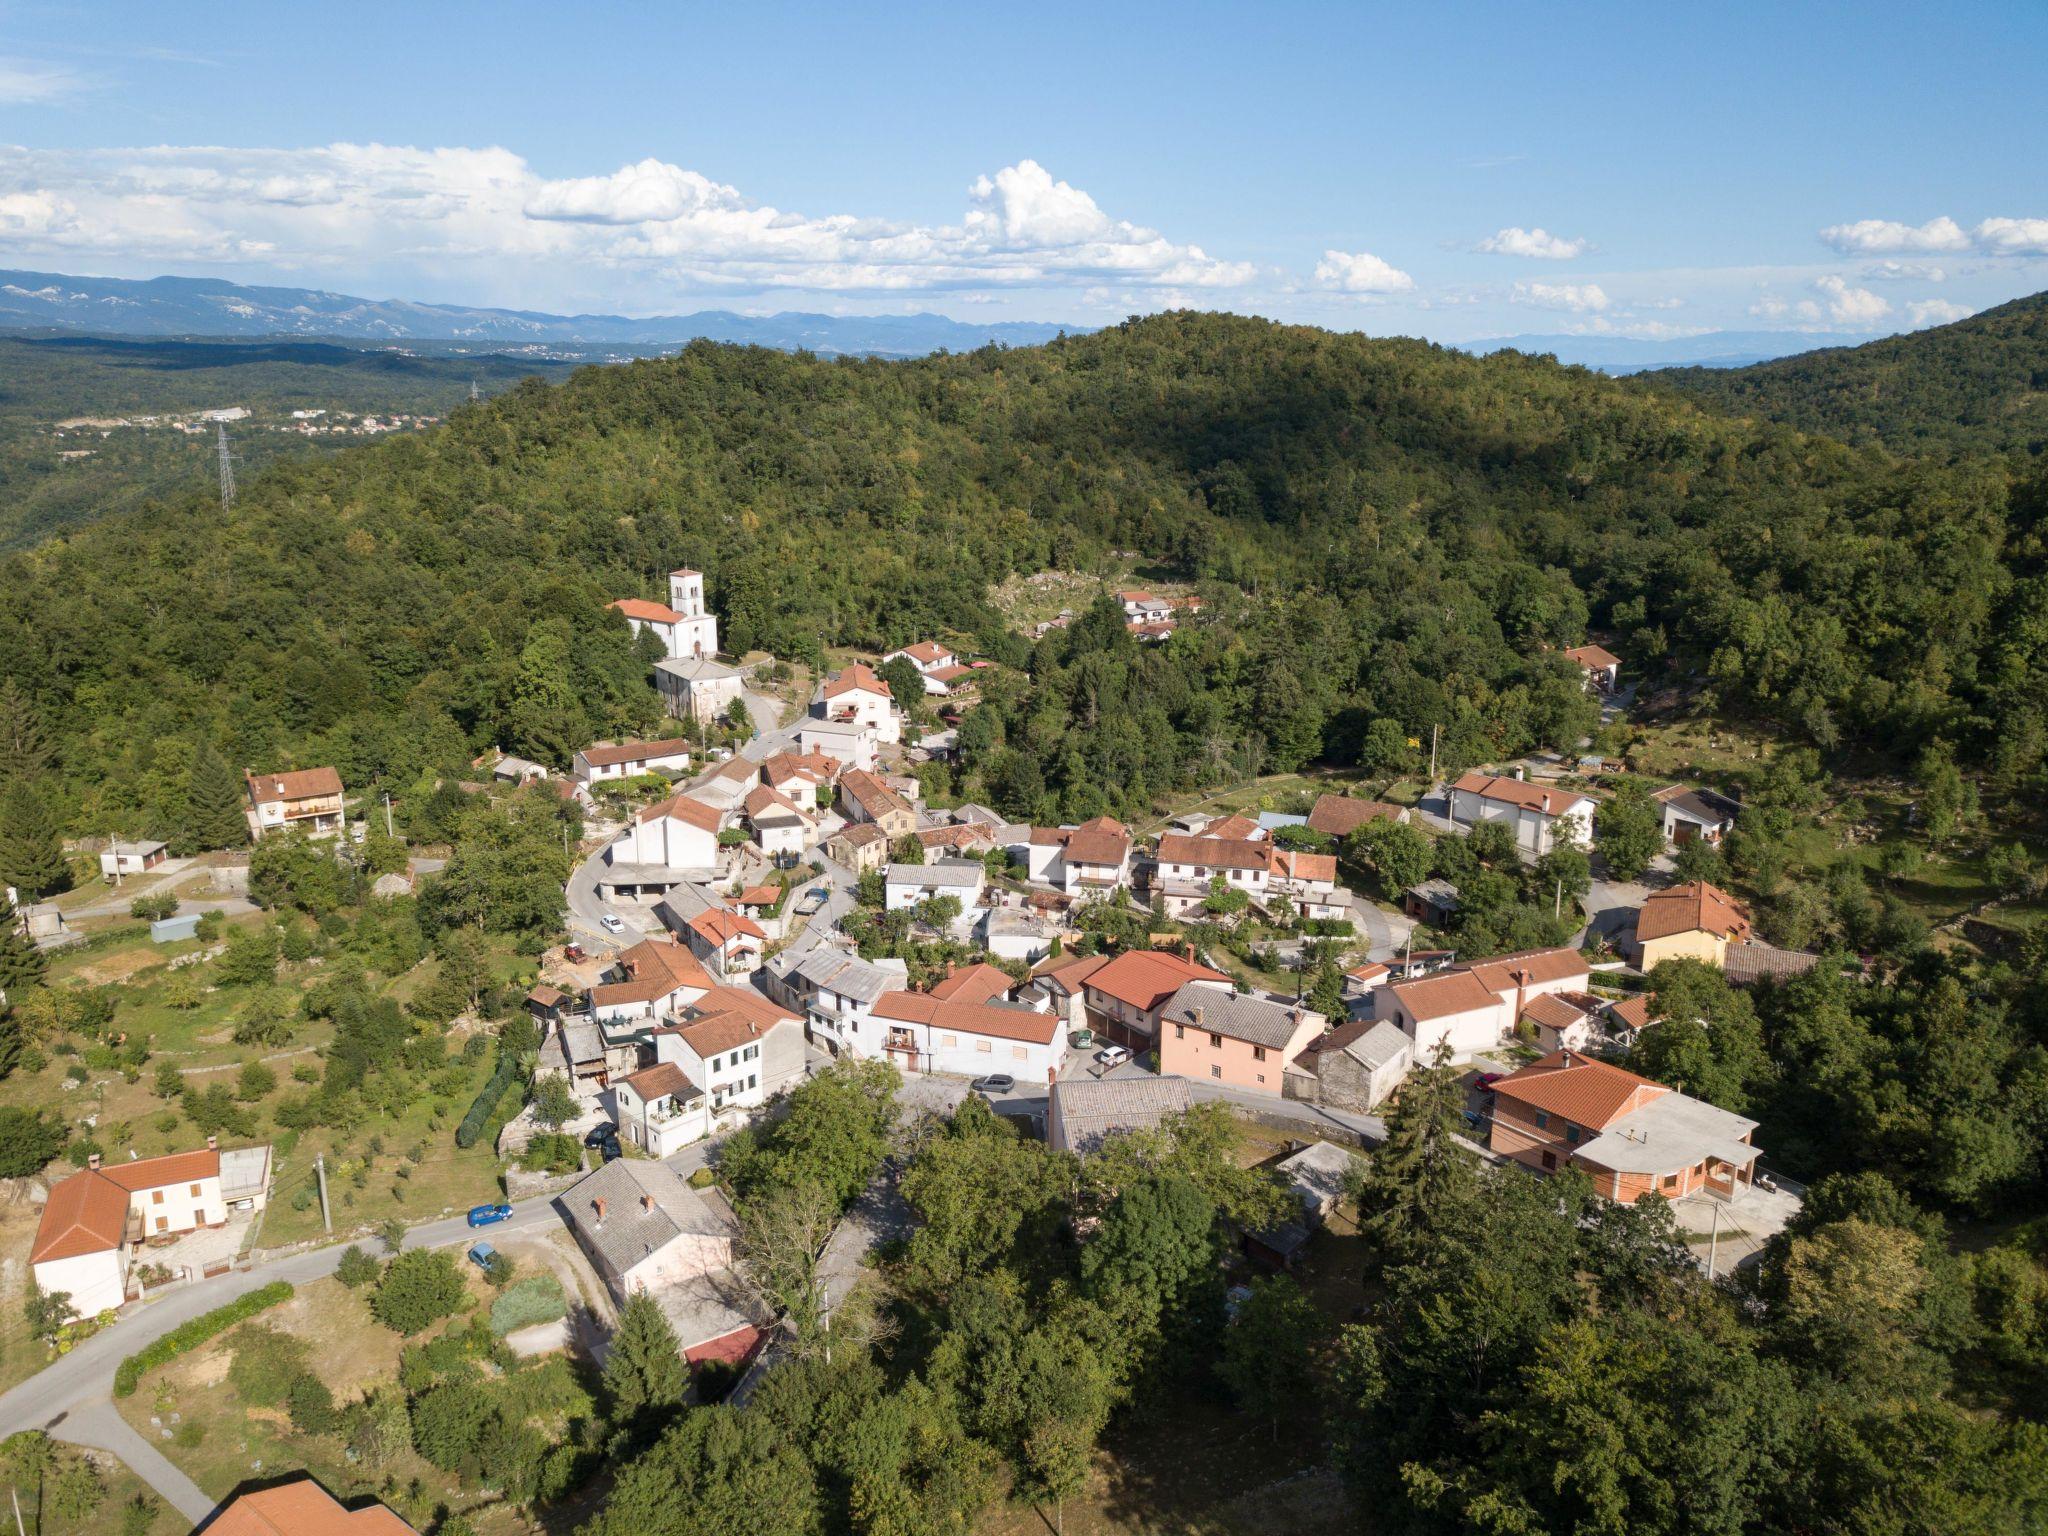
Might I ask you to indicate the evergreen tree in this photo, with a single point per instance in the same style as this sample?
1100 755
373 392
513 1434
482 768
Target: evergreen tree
1418 1183
31 847
644 1376
214 802
21 964
24 750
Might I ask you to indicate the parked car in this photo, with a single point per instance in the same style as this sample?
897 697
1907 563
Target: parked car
600 1133
813 899
481 1255
995 1082
573 953
610 922
1111 1056
1487 1080
611 1151
486 1215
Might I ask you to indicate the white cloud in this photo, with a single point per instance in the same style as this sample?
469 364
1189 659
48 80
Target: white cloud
1905 271
1579 298
1539 243
1851 306
1361 272
1937 312
650 228
1876 237
1771 307
25 83
2013 237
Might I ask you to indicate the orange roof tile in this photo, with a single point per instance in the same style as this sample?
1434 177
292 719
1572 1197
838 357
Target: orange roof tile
1507 791
1341 815
1145 978
758 896
1440 996
763 799
1532 967
684 808
1305 866
1215 852
1069 972
722 927
648 613
86 1213
297 784
991 1019
857 676
157 1172
302 1508
1239 828
663 1078
1695 907
1585 1091
1594 658
655 968
977 983
725 1017
874 797
605 754
928 652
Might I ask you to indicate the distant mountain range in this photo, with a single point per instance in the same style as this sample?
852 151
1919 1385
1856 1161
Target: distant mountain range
1622 354
200 306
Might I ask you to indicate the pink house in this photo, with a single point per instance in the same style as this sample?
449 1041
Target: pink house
1216 1035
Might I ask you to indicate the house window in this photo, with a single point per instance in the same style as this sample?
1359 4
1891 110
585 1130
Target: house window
163 1223
156 1197
1542 1119
949 1039
714 1063
1259 1054
1571 1135
1018 1053
984 1046
1180 1032
195 1191
1262 1077
1670 1180
752 1080
1550 1160
1216 1071
1215 1041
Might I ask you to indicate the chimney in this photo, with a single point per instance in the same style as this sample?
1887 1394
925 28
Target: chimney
1519 772
92 1161
1522 995
647 1203
1564 1057
213 1143
1198 1015
598 1206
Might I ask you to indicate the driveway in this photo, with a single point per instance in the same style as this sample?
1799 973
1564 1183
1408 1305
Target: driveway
73 1397
1385 934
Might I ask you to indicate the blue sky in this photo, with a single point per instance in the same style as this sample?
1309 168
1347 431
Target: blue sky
1456 171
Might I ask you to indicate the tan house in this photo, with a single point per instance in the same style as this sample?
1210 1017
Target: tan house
307 799
1212 1034
1601 666
864 797
859 845
1696 921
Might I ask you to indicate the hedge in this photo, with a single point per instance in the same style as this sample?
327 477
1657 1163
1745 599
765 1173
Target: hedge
479 1114
190 1335
536 1299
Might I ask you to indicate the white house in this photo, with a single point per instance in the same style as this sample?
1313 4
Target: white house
1601 666
905 885
922 1033
683 624
930 658
96 1223
851 741
679 833
727 786
696 687
306 799
1092 859
132 858
658 1109
729 943
837 990
1540 818
655 979
858 695
629 759
1309 880
1696 815
1476 1007
779 827
1188 864
740 1047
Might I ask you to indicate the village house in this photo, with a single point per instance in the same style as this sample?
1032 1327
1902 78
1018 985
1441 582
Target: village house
683 624
662 845
729 943
1600 665
1339 816
1143 608
740 1047
1559 1021
630 759
1309 880
1434 902
1695 815
1124 997
1232 1038
857 696
658 1109
1628 1017
968 841
923 1033
1061 981
96 1222
696 687
1187 865
1084 1113
508 769
132 858
836 991
1090 860
1358 1064
646 1232
1540 818
1024 933
805 777
651 980
864 797
937 665
1634 1137
853 742
573 1046
304 799
904 886
859 846
976 983
781 830
1695 921
301 1507
1475 1008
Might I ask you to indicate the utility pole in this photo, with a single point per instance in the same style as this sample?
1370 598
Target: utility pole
1434 732
1714 1240
227 470
19 1528
475 394
1557 905
320 1172
387 813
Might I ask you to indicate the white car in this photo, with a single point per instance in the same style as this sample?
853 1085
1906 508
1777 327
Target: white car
610 922
1112 1056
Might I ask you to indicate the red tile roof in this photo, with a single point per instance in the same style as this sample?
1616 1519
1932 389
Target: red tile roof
1695 907
722 927
297 784
663 1078
763 799
1321 867
1585 1091
1552 1011
821 767
1507 791
1594 658
1145 978
1234 826
1440 996
302 1508
655 968
989 1019
1069 972
1103 840
1535 967
605 754
872 795
1214 852
977 983
86 1213
1341 815
928 652
758 896
648 613
683 808
727 1017
858 676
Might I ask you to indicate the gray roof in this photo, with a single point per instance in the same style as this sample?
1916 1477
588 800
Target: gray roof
848 975
244 1171
582 1040
1745 963
1380 1046
824 725
968 813
1092 1110
1222 1012
630 1230
695 669
1705 805
142 849
1672 1131
947 874
1319 1173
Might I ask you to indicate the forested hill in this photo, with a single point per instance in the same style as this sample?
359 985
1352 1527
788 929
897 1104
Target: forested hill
1390 532
1979 385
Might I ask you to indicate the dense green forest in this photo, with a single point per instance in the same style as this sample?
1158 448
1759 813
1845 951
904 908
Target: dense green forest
1978 386
46 379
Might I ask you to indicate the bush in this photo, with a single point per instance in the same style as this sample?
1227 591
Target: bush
536 1299
255 1082
154 908
552 1152
356 1268
266 1364
418 1289
311 1405
27 1141
486 1102
189 1336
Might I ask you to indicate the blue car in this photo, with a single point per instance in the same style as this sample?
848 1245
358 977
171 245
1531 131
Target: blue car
485 1215
481 1255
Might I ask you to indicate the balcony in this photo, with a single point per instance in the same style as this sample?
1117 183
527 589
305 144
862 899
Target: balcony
312 805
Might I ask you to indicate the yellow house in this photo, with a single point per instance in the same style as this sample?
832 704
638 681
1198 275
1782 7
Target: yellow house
1694 921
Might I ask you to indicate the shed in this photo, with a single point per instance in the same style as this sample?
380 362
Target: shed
169 930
